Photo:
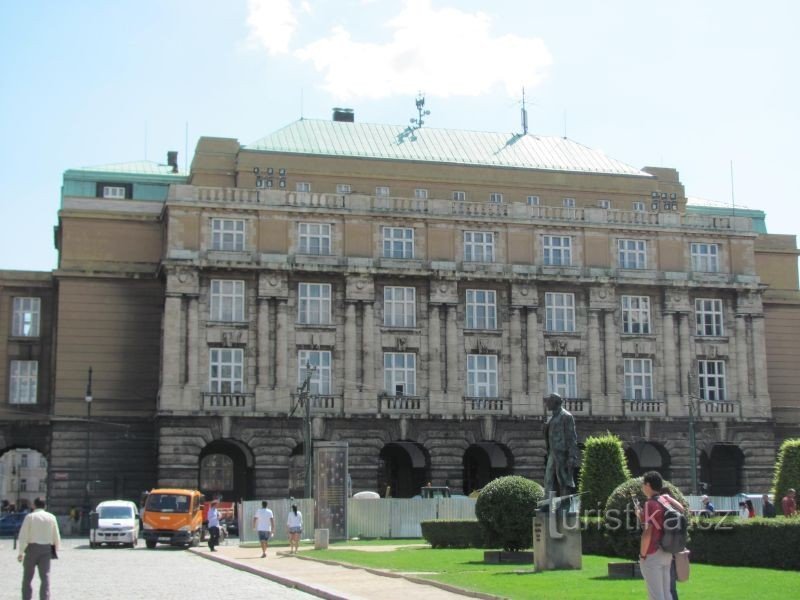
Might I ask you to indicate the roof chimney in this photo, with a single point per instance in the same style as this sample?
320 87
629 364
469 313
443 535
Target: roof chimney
172 160
344 115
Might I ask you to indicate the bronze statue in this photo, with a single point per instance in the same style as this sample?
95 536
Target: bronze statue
562 449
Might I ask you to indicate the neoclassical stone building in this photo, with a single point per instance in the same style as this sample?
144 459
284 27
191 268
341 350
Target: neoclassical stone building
434 285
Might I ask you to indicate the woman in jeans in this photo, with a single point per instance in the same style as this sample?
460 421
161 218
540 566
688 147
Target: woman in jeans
294 522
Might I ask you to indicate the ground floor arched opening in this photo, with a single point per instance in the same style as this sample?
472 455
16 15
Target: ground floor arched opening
484 462
403 468
721 470
226 469
23 477
648 456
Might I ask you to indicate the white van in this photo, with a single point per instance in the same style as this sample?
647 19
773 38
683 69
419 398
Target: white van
117 523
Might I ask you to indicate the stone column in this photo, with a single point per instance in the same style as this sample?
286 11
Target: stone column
595 361
434 350
350 348
686 360
612 388
369 347
669 355
452 350
281 348
742 369
516 352
532 325
172 354
264 378
759 360
192 342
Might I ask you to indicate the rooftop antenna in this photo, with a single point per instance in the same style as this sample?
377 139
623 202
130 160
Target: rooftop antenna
186 148
419 122
145 140
301 104
733 203
524 114
565 123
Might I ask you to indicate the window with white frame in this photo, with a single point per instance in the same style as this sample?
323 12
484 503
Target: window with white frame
632 254
496 198
638 379
559 311
117 192
481 309
25 319
708 316
227 235
23 485
482 375
459 196
421 194
568 202
343 188
314 238
23 460
399 306
711 379
382 191
705 257
314 303
400 373
636 314
557 250
23 381
303 186
479 246
533 201
227 300
226 371
604 204
561 376
398 242
638 206
321 374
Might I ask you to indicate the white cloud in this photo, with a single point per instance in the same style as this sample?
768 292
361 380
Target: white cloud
443 51
272 23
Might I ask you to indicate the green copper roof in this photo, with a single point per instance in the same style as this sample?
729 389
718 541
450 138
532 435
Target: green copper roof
393 142
138 167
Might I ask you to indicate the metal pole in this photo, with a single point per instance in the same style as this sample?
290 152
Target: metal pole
87 499
305 399
692 446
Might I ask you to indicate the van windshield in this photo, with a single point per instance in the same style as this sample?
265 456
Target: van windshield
168 503
116 512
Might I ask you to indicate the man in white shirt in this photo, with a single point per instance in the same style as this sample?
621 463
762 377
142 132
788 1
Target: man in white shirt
38 540
264 524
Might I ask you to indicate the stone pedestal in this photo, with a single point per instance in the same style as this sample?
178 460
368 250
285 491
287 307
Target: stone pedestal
321 539
556 541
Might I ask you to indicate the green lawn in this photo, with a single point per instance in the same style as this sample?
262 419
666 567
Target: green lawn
465 569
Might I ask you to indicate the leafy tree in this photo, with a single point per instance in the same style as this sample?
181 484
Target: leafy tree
505 510
787 470
602 470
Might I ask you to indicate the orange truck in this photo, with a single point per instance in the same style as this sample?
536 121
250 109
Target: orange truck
173 516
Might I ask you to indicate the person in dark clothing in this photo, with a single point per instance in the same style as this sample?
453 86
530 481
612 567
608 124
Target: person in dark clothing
767 507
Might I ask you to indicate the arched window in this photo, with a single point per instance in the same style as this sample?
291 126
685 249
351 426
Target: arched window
216 472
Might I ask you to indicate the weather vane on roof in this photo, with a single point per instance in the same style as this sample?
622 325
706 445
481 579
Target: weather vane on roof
419 122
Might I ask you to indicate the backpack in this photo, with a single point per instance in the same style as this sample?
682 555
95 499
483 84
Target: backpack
675 532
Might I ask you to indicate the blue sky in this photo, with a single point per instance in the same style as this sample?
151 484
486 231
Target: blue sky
691 85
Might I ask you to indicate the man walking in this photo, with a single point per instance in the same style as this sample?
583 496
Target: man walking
264 524
654 563
38 540
213 526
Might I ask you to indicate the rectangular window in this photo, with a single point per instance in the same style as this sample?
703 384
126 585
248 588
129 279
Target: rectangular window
481 309
314 303
711 378
638 379
117 192
227 235
227 300
496 198
343 188
604 204
636 314
400 373
561 378
421 194
382 191
42 462
226 371
632 254
398 242
314 238
559 311
320 361
705 258
23 460
479 246
399 306
459 196
23 485
638 206
557 250
23 380
708 316
568 202
25 320
303 186
533 201
482 375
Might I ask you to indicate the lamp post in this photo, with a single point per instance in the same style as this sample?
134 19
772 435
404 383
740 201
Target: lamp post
305 398
87 500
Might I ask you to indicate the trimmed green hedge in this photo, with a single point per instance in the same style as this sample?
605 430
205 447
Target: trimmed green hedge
505 510
453 533
787 471
602 470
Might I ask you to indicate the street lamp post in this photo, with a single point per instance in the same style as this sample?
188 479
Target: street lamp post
87 500
305 399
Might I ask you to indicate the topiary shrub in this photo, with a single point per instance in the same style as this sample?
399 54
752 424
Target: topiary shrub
787 471
452 533
602 470
622 527
505 510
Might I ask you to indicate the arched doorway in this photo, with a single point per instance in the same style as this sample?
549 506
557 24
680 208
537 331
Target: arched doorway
648 456
23 477
226 468
484 462
404 468
721 470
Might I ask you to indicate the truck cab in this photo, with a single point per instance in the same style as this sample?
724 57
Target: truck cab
172 516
